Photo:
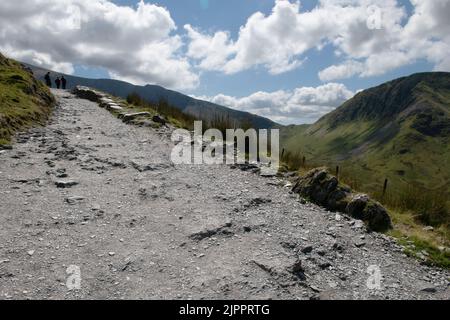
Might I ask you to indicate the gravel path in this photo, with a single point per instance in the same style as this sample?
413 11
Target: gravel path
91 192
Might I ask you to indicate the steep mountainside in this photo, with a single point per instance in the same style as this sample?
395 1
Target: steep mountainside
24 102
154 93
399 130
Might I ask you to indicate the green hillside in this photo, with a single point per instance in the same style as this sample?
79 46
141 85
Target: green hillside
399 130
24 101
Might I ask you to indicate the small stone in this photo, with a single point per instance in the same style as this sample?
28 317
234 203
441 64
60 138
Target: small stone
31 252
338 247
324 264
307 249
73 200
360 244
314 288
6 147
297 267
65 184
111 254
429 290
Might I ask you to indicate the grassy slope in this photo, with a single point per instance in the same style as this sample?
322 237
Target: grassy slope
24 102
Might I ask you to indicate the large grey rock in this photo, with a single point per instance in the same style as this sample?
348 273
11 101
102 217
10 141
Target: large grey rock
65 184
114 107
373 213
325 190
86 93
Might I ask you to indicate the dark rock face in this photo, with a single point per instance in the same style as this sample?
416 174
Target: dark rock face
432 124
325 190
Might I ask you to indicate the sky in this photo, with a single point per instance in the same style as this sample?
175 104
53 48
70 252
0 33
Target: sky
291 61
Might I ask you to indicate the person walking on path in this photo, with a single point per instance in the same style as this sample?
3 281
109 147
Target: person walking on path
58 83
48 80
63 82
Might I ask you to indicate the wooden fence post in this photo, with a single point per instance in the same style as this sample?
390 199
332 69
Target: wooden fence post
385 187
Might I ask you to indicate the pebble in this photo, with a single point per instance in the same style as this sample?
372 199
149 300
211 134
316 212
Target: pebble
65 184
307 249
360 244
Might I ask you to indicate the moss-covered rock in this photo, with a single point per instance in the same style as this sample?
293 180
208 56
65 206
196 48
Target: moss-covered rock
373 213
324 189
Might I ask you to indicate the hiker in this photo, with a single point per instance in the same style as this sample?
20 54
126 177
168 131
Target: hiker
58 83
48 80
63 82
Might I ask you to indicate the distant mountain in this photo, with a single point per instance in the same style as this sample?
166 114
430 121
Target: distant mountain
399 130
153 93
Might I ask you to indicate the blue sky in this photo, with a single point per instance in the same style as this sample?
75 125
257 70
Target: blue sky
292 61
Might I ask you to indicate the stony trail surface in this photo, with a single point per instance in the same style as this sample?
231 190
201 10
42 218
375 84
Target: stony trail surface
92 192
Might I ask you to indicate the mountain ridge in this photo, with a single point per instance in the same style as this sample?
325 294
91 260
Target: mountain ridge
153 93
392 97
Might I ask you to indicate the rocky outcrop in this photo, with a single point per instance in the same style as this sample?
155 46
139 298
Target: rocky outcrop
98 97
322 188
142 119
373 213
87 93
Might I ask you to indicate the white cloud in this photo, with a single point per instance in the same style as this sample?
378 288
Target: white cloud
423 35
213 51
345 70
371 37
135 44
302 105
274 41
